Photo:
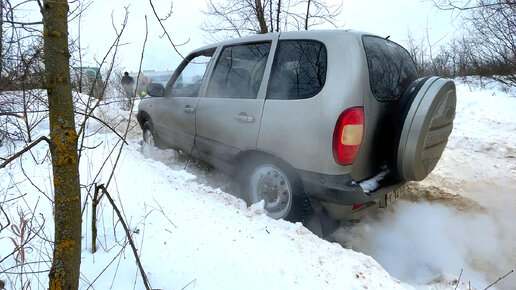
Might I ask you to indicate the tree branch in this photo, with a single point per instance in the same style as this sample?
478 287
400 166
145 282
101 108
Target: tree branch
164 30
10 159
129 237
499 279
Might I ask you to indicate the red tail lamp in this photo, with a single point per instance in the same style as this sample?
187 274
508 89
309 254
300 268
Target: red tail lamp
348 135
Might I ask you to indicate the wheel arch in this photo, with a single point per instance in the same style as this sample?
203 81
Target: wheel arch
256 156
143 117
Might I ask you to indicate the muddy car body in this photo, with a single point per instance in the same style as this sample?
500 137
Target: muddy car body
327 120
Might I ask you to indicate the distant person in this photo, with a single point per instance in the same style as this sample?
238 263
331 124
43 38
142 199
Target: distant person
142 84
128 84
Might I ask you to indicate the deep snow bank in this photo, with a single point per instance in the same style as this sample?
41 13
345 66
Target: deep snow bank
187 233
192 232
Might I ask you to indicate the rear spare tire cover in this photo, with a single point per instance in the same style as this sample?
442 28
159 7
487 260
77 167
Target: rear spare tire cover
425 126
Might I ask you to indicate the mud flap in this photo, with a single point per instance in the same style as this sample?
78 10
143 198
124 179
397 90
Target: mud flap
320 223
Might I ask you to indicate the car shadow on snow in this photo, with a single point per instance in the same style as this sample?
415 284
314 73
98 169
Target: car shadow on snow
206 174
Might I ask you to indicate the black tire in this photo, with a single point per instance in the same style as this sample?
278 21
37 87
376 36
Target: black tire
149 136
398 118
266 176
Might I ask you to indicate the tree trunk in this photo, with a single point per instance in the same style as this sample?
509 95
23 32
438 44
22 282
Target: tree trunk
307 13
260 14
270 14
65 270
278 16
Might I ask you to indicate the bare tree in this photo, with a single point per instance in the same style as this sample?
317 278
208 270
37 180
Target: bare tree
64 273
260 16
1 36
240 18
319 12
64 140
21 70
491 26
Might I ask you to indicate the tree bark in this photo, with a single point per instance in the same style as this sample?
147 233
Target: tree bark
270 13
64 273
260 14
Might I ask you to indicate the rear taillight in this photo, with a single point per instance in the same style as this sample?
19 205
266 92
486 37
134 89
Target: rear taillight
347 136
358 206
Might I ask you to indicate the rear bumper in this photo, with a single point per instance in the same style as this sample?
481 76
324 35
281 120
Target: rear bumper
343 189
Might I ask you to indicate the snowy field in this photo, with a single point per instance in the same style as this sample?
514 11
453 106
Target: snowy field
191 234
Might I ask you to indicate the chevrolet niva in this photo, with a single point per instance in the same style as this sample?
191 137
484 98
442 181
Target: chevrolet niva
325 122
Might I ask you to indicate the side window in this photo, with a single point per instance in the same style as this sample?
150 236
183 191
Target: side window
239 71
299 70
188 83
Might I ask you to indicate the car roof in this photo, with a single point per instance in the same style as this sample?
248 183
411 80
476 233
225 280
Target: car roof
302 34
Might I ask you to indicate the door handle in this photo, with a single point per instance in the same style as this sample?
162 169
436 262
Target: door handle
243 117
188 109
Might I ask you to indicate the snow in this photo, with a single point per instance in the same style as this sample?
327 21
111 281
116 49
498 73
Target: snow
191 233
186 232
461 216
371 184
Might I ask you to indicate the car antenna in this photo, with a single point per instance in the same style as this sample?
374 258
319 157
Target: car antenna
387 37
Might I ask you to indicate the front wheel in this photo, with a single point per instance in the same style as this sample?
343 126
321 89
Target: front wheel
148 134
281 191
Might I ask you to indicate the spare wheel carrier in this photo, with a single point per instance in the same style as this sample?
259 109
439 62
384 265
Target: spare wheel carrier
425 126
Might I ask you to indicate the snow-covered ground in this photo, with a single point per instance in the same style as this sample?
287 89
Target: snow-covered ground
191 233
461 216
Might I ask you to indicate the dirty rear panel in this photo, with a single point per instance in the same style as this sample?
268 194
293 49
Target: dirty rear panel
391 70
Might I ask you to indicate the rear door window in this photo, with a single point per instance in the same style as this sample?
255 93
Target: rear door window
239 71
391 69
299 70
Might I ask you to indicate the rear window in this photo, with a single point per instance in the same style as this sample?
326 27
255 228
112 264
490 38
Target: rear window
391 69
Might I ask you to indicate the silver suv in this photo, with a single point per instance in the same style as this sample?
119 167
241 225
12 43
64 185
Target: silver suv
331 121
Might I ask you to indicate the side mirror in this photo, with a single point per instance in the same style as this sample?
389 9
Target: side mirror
155 90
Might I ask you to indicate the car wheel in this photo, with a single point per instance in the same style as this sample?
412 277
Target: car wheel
148 134
281 191
425 121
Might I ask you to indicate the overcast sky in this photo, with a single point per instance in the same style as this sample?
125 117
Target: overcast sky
382 17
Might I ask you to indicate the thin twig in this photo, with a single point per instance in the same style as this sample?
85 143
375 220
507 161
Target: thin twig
105 268
131 107
103 123
164 30
11 114
193 281
2 227
499 279
90 110
129 236
163 212
458 280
